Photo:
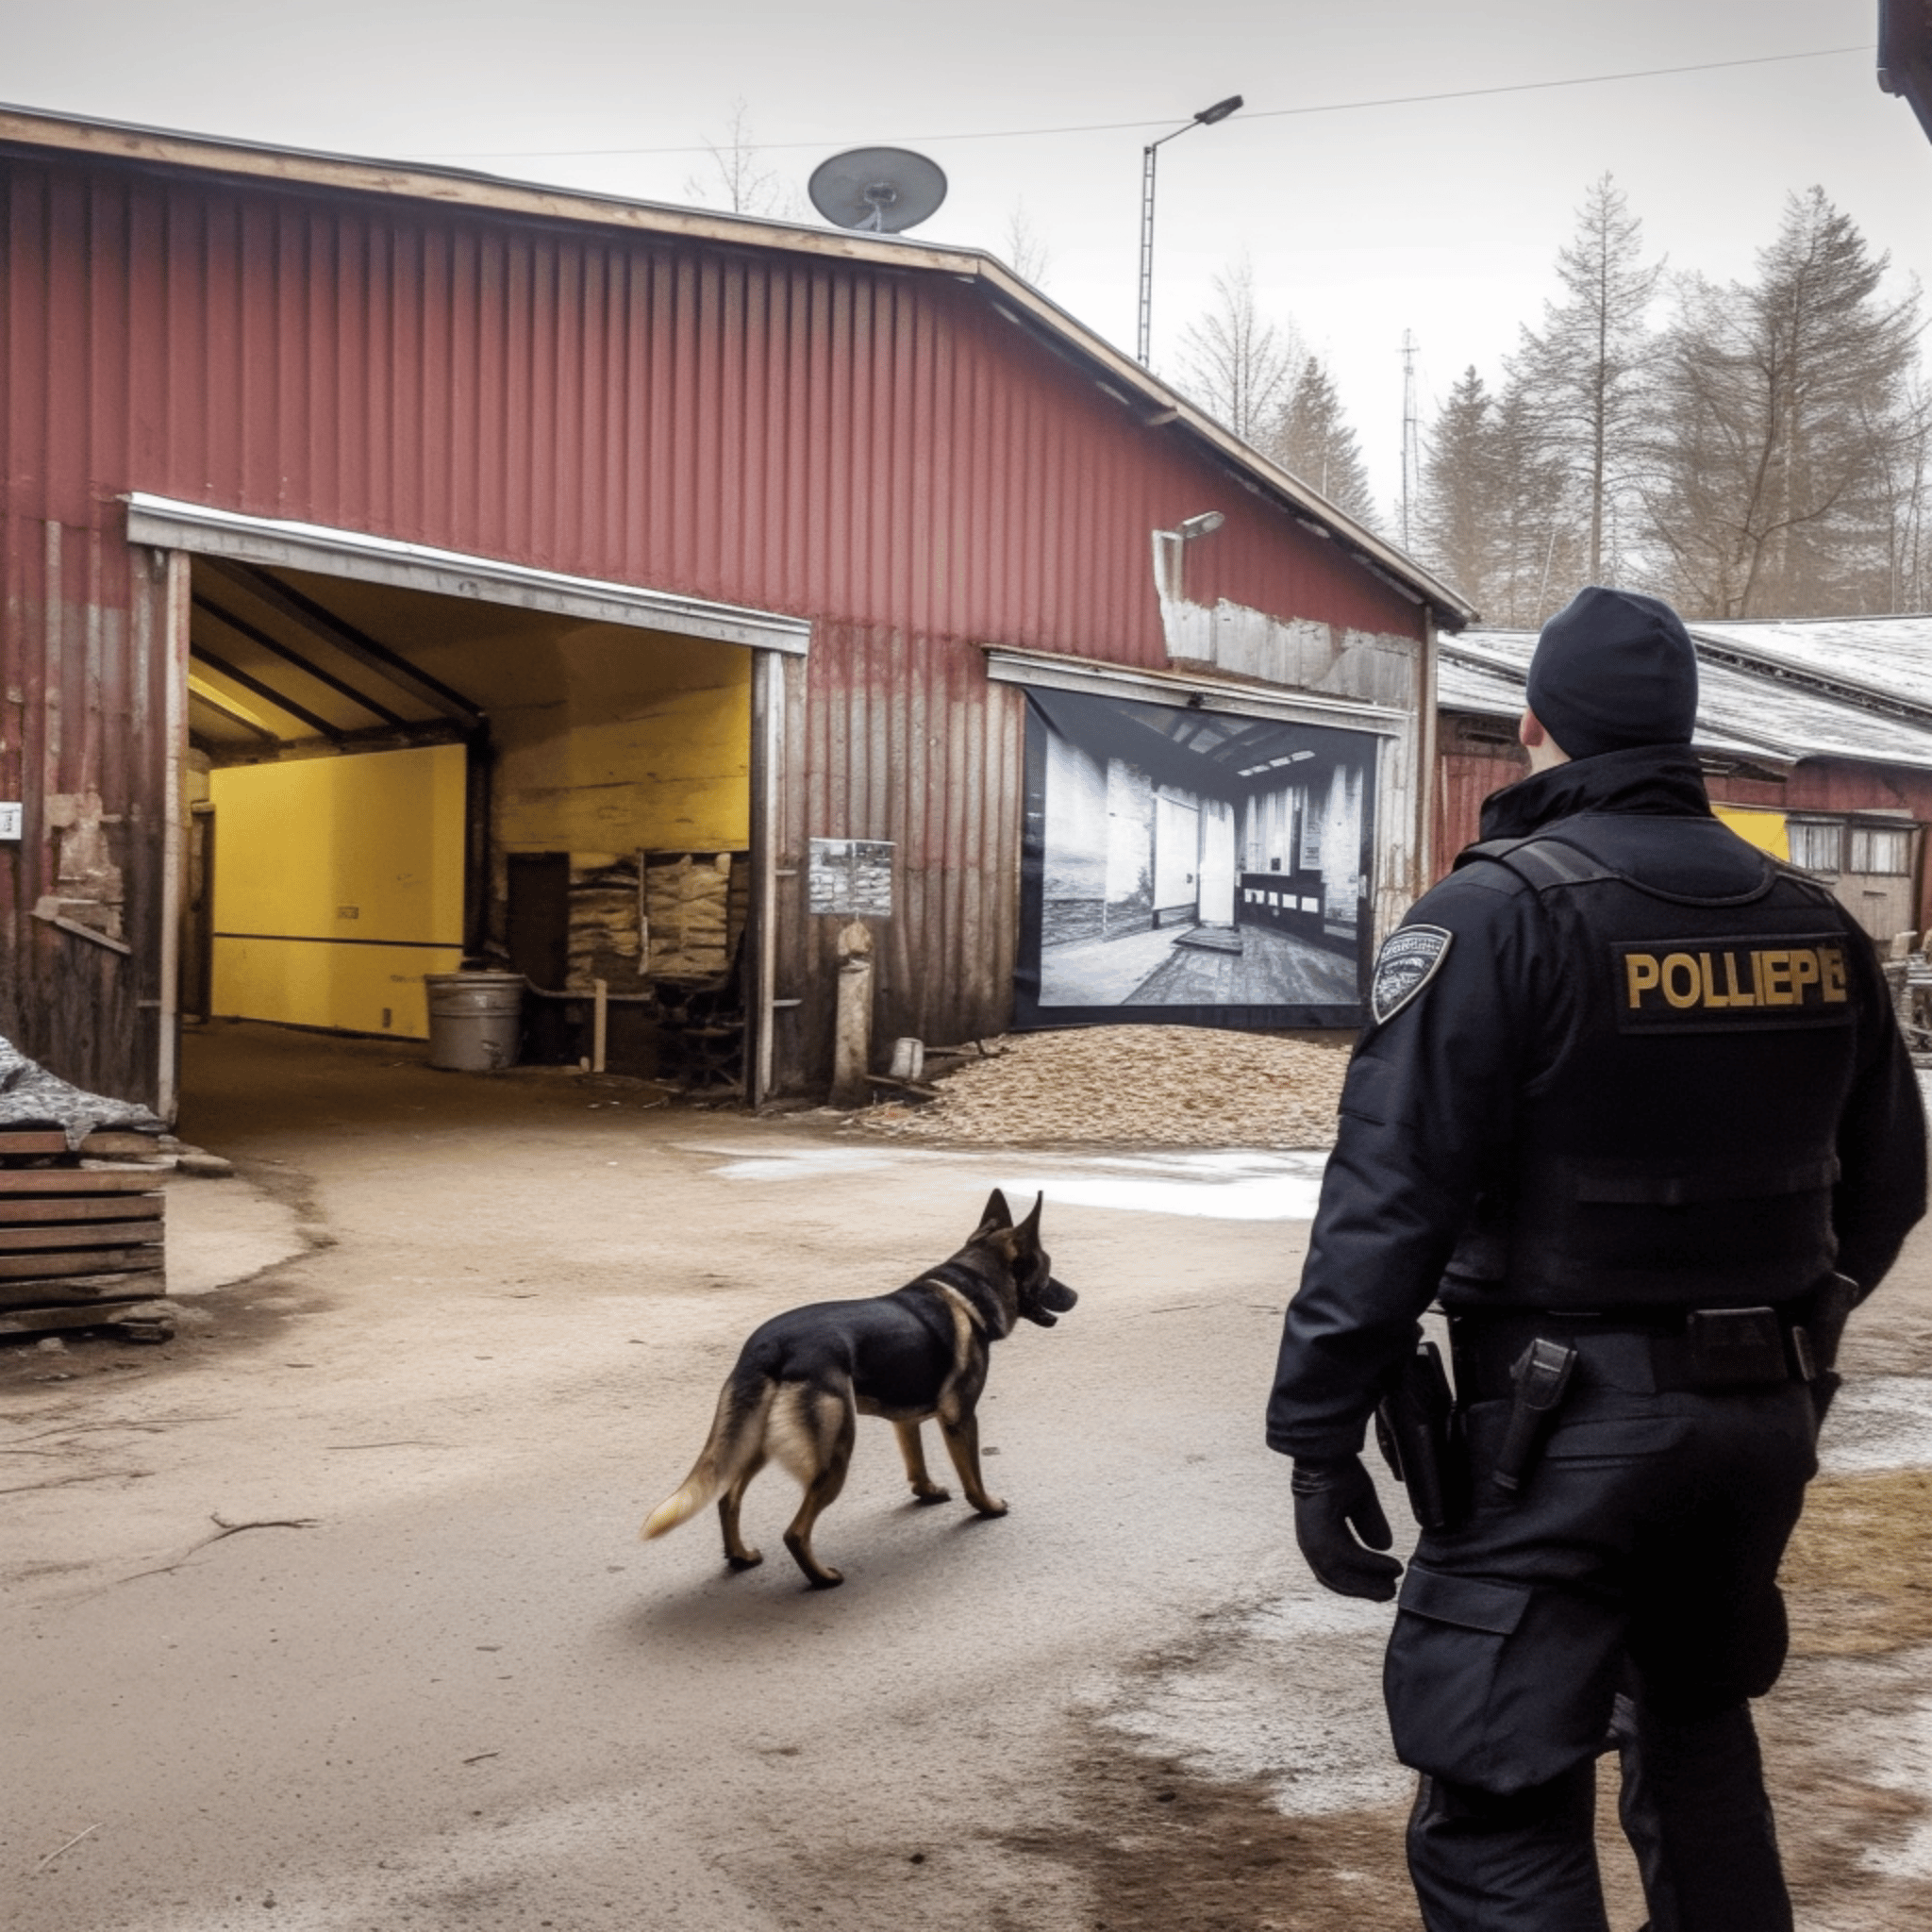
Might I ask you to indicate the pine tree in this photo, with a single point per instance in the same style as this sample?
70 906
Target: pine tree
1583 372
1783 426
1312 439
1494 519
1459 493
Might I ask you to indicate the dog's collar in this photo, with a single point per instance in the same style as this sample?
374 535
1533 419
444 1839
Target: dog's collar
957 1294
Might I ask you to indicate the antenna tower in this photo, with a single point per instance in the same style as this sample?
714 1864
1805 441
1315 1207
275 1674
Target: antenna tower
1410 428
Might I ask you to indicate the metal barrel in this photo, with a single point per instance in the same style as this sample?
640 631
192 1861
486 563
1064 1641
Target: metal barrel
475 1020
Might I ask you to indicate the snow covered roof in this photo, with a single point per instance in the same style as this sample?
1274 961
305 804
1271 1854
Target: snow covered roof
1775 699
1883 663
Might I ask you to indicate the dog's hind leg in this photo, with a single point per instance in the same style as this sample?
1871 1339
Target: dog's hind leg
822 1424
913 1449
737 1553
962 1436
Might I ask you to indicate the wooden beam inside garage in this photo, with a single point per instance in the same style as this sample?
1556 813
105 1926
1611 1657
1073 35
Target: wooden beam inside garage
352 643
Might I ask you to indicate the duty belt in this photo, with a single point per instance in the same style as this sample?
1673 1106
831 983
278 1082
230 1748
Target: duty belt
1702 1349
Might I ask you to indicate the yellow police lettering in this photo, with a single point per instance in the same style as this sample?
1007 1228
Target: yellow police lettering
1776 984
1711 996
1681 966
1804 973
1733 997
1832 974
1639 972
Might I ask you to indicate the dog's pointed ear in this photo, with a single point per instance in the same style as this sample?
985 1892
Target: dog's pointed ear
997 1216
1029 1228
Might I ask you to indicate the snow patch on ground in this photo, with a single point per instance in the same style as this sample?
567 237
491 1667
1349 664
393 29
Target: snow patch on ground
223 1231
1290 1692
1235 1184
1878 1422
1906 1766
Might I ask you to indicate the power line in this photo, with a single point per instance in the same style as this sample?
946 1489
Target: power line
1464 94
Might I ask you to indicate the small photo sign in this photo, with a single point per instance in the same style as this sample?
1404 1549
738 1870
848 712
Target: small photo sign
9 819
851 877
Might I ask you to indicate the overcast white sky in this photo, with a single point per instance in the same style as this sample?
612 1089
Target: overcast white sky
1442 218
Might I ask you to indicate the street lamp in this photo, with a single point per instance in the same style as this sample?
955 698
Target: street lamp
1205 118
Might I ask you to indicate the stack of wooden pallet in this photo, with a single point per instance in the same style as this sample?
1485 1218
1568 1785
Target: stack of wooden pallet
81 1236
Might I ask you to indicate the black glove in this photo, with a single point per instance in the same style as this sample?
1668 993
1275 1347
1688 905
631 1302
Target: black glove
1331 1496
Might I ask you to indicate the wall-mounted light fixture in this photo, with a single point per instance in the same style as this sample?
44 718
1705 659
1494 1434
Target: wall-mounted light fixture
1170 544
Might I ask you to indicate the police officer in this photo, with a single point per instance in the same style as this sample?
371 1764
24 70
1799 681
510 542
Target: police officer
1633 1103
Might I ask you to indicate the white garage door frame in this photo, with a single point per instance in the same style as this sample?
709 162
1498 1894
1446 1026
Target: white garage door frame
181 531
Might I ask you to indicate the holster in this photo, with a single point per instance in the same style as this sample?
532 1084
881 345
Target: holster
1817 1334
1541 1376
1416 1428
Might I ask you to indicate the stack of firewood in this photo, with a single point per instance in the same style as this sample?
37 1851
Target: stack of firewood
81 1234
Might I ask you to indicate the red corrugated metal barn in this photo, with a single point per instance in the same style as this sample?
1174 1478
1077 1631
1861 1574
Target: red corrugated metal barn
404 567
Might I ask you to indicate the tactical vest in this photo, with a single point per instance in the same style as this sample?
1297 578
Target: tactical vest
1680 1150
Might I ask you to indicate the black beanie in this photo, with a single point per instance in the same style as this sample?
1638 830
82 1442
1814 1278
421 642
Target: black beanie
1613 670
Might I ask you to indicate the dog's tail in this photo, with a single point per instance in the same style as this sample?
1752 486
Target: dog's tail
738 1434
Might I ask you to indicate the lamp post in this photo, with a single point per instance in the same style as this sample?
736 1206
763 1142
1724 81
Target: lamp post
1205 118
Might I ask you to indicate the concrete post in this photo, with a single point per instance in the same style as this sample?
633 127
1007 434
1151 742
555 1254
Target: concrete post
852 1039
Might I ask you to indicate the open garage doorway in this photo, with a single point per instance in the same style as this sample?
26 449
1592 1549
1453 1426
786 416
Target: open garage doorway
382 783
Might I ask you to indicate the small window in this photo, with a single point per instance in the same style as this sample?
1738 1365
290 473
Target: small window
1818 846
1882 849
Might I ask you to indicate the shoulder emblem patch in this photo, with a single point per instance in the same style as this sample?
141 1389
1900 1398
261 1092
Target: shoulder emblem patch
1408 961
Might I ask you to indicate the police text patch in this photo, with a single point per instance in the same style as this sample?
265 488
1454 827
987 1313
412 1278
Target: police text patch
1782 981
1405 964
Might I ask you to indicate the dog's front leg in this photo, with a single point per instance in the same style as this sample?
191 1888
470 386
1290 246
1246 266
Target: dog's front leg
961 1434
912 1448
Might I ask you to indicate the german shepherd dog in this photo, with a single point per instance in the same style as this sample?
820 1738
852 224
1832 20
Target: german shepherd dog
804 1378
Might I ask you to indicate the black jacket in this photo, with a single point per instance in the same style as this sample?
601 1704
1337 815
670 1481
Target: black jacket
1586 1104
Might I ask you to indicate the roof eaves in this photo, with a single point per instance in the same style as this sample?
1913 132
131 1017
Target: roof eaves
1905 55
991 278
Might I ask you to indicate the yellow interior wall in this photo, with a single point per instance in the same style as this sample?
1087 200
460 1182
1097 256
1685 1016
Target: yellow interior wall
1764 829
310 851
617 741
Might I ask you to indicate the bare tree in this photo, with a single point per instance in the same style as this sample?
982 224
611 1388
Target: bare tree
1583 372
1908 494
1026 248
1782 420
1312 437
1238 365
735 177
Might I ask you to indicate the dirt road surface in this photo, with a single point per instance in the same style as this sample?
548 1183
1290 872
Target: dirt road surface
330 1615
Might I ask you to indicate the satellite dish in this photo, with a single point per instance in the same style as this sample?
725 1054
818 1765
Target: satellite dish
881 189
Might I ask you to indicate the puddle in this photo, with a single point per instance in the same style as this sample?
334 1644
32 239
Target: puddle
1878 1422
1232 1184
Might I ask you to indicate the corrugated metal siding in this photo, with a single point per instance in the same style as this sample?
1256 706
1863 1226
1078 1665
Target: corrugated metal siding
1468 774
885 454
907 740
1465 776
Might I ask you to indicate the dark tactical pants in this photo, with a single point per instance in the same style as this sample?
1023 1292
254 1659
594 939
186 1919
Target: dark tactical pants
1630 1587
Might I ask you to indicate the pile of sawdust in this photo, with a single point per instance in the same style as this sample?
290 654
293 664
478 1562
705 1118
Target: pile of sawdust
1151 1086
